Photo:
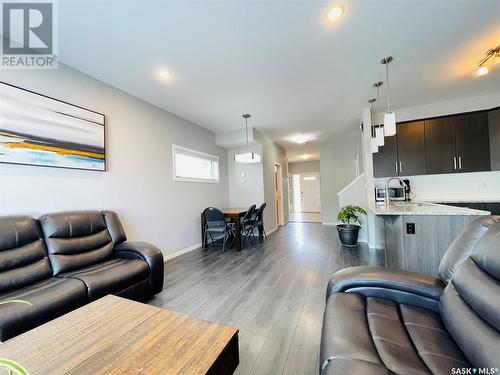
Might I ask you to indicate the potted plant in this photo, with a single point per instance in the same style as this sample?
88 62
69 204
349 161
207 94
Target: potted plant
348 232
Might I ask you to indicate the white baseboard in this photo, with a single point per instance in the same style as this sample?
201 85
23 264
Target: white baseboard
272 231
329 224
194 247
178 253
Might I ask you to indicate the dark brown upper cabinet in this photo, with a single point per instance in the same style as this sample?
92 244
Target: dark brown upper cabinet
472 142
411 148
440 153
449 144
385 160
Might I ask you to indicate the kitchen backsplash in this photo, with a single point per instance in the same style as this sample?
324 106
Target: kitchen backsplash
458 186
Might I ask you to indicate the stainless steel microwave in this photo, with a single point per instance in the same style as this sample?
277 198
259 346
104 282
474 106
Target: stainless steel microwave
395 194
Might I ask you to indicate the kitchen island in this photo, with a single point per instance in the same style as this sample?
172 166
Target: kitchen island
418 233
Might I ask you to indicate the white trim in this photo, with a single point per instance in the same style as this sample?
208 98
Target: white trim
350 184
195 247
195 152
179 253
272 231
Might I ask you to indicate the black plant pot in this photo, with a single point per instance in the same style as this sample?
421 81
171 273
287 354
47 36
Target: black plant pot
348 234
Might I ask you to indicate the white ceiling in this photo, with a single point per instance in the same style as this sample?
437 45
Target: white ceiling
281 61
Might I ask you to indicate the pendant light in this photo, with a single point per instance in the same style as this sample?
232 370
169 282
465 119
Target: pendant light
389 117
247 157
379 130
373 141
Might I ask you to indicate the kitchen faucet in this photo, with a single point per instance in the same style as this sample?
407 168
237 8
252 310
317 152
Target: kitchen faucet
387 197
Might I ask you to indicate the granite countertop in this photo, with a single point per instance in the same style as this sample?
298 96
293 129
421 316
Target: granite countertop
422 208
463 200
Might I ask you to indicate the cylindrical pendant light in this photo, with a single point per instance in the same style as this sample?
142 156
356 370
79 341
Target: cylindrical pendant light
247 157
379 130
389 117
373 140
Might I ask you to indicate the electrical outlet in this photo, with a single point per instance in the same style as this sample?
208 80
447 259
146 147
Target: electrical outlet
410 228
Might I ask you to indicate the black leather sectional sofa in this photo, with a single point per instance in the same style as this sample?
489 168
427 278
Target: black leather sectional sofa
65 260
380 321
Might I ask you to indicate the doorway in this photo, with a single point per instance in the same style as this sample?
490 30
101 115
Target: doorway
305 194
278 194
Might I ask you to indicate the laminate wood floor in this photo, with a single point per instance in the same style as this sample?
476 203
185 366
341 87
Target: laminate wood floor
272 291
305 217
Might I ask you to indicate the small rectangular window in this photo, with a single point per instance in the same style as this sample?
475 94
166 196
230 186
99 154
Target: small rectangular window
192 165
309 178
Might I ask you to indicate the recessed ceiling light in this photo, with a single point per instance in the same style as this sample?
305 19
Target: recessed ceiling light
165 74
335 12
305 157
483 70
300 138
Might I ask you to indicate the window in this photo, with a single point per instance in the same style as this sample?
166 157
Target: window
309 178
192 165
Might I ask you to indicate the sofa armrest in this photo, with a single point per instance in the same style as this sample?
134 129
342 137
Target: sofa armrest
397 285
151 255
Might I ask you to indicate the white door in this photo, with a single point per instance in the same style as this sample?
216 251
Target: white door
310 192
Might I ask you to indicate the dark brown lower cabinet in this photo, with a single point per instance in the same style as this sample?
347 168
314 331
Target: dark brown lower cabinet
440 146
472 142
494 208
411 148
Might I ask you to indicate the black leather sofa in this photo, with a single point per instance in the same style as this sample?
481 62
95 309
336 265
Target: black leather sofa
381 321
65 260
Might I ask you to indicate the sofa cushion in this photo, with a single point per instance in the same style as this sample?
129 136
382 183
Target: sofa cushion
76 239
111 276
470 304
23 256
366 335
49 299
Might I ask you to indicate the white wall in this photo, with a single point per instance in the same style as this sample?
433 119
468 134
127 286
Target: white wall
340 164
138 184
463 105
354 194
248 190
312 166
375 232
457 186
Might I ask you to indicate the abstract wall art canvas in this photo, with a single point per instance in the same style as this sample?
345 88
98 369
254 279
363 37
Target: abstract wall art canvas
39 130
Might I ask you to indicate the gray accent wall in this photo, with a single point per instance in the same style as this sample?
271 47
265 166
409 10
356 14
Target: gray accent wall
272 153
248 189
138 184
341 160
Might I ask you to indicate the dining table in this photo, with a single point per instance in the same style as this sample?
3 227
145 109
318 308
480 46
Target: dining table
235 214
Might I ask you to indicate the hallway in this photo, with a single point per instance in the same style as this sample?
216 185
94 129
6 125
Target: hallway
305 217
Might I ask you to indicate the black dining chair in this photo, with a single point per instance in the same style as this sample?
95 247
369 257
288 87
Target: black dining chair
216 225
247 222
258 221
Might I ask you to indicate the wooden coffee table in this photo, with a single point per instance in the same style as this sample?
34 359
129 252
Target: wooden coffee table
114 335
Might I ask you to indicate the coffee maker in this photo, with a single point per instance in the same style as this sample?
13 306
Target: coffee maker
407 190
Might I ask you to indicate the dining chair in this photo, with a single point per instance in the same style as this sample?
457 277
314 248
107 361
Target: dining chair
258 222
215 224
247 223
